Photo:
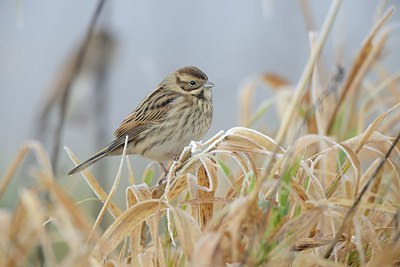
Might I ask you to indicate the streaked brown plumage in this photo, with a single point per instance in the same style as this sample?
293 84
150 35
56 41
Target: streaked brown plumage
178 111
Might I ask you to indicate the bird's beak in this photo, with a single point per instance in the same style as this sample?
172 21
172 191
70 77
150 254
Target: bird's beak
208 84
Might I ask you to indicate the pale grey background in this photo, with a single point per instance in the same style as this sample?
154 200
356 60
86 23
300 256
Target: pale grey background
231 40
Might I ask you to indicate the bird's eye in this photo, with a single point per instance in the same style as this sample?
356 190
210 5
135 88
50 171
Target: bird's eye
192 83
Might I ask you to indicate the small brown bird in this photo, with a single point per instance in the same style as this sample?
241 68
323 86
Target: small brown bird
178 111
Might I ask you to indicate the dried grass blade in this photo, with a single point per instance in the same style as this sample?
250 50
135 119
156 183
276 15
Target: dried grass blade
306 75
36 218
249 137
178 184
112 191
358 63
246 102
206 180
95 186
240 210
143 193
371 58
41 156
134 195
124 224
362 140
210 250
352 159
77 217
25 232
13 168
187 230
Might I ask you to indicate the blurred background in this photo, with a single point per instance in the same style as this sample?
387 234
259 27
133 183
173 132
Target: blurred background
136 44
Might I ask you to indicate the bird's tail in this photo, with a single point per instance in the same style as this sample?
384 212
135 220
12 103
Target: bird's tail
99 155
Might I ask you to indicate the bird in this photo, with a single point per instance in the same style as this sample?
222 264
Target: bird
179 110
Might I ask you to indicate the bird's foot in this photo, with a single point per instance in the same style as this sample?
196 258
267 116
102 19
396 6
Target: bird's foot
174 157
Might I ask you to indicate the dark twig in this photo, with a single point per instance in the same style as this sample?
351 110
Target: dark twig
76 70
357 202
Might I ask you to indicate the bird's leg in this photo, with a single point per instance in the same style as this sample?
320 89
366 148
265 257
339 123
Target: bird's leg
175 158
164 169
163 179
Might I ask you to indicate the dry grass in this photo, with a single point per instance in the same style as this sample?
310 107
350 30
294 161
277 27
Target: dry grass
323 192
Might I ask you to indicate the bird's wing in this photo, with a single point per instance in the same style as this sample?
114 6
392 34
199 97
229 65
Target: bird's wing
143 117
148 114
132 134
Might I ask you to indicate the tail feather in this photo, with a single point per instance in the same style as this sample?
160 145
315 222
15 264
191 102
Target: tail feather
99 155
